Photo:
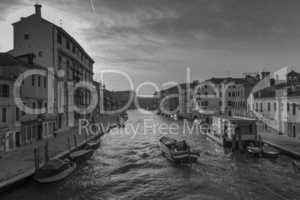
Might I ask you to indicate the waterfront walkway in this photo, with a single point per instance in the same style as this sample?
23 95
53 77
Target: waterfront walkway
20 163
286 144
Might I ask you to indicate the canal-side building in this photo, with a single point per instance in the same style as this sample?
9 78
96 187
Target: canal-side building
227 96
96 112
278 106
177 100
168 100
238 94
56 49
17 127
208 96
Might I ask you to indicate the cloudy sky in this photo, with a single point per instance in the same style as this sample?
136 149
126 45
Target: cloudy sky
156 40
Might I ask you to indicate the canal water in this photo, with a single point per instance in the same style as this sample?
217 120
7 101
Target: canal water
129 165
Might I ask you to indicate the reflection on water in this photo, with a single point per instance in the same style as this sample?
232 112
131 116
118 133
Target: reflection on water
127 167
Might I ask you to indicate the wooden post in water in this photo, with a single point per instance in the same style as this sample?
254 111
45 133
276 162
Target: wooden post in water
75 140
46 151
69 144
85 136
36 164
260 141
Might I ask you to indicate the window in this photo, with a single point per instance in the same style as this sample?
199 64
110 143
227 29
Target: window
40 53
39 81
17 114
261 107
68 44
33 105
294 109
59 61
74 49
32 80
26 36
269 106
4 91
3 115
288 107
59 39
275 107
45 82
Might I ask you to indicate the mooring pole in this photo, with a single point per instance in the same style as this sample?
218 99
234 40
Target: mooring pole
75 140
46 151
86 136
35 158
69 144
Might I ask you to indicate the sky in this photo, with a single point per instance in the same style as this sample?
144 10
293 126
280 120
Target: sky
158 40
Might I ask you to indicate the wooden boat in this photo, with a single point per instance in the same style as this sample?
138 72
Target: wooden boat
296 165
177 151
93 145
270 153
254 150
81 155
54 170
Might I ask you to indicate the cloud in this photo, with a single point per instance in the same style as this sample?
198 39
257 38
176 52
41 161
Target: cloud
167 35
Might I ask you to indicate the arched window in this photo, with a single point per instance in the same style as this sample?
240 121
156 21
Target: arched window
4 91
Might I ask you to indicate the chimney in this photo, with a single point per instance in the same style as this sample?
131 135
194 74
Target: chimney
38 8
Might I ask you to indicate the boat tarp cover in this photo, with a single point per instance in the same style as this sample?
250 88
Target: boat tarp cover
168 141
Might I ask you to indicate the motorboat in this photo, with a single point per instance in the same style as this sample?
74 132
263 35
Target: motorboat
268 152
254 150
80 156
177 151
296 165
54 170
93 145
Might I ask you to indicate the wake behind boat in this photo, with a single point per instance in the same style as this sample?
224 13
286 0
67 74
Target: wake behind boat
54 170
177 151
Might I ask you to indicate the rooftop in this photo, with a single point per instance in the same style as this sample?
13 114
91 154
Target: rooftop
37 14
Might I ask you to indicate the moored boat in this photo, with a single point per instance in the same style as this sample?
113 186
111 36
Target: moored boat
81 155
93 145
54 170
296 165
177 151
270 153
254 150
